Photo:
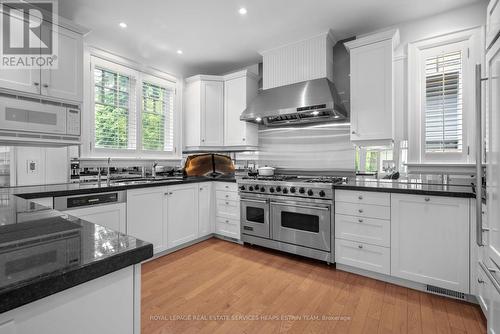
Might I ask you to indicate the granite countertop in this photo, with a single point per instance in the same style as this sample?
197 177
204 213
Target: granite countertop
65 189
95 251
409 187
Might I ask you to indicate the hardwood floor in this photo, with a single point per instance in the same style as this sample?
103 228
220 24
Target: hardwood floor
221 287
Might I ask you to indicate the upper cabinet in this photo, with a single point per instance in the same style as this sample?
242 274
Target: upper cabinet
212 109
492 21
239 89
372 75
64 82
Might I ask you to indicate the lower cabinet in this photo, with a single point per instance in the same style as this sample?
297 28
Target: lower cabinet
146 215
430 240
112 216
364 256
182 214
227 210
205 209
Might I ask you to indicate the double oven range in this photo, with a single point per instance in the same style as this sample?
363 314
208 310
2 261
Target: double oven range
289 213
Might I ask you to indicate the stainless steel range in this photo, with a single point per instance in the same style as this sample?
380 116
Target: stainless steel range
289 213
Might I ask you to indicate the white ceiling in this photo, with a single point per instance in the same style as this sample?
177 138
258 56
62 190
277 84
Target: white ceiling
216 39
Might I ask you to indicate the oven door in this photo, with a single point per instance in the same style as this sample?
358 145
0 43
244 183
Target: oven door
302 224
255 217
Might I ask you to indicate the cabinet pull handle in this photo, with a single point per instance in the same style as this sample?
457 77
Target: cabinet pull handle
45 86
203 140
480 281
201 189
227 187
485 229
353 132
227 196
36 83
360 197
360 210
427 199
492 270
243 139
360 220
227 203
360 246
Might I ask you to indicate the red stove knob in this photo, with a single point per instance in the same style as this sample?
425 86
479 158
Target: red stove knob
262 189
250 188
242 187
256 187
271 189
302 190
310 192
285 190
322 193
292 190
278 188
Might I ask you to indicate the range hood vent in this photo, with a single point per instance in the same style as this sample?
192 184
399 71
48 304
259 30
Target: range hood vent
310 101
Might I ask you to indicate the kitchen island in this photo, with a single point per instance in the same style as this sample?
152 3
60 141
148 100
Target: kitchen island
61 274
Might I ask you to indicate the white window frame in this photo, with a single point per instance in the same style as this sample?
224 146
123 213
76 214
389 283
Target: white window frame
138 74
417 52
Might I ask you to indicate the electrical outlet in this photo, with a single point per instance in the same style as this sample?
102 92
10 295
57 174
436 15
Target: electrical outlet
32 166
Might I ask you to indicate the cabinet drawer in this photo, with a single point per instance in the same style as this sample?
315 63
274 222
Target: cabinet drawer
227 195
367 230
227 208
227 227
364 256
226 186
364 197
363 210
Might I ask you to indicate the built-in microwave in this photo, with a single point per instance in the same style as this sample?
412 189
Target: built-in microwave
34 121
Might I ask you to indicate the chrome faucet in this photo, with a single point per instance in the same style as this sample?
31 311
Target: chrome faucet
153 169
108 181
99 177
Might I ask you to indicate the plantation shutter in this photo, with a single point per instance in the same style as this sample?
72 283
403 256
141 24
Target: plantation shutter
443 103
114 111
157 117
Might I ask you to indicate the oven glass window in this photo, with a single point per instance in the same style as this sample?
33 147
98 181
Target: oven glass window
300 221
255 215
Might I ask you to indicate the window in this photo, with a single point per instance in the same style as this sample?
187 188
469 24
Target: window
114 117
157 117
443 103
133 113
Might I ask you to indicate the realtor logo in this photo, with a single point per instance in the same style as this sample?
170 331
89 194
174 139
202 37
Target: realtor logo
29 34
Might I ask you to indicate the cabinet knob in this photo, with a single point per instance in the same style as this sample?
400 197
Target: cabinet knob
203 140
227 203
36 84
227 196
360 220
45 86
427 199
243 139
353 132
360 197
360 246
360 210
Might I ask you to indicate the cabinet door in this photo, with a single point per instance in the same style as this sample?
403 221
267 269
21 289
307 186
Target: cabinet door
371 92
65 82
205 212
493 169
145 215
430 240
110 216
182 213
20 79
212 113
237 92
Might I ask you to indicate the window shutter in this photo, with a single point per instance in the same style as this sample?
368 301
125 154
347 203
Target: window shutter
443 103
114 110
157 117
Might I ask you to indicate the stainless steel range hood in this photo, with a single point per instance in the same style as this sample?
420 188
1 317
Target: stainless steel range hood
304 102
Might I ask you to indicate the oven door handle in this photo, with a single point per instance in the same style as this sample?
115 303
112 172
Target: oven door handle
253 200
324 208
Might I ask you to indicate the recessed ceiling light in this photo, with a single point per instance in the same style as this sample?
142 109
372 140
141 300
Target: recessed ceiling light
179 52
123 25
242 11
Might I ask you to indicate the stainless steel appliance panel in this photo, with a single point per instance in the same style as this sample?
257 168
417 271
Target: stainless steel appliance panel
255 217
301 223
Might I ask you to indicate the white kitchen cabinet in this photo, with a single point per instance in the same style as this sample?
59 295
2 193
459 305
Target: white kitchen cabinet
205 209
146 215
364 256
112 216
430 240
64 82
204 112
492 21
227 210
239 90
182 214
372 75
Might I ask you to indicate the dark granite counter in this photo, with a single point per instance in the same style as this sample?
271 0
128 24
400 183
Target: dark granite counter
406 187
43 251
66 189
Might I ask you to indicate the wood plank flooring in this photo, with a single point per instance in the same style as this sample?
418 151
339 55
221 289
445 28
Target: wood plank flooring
221 287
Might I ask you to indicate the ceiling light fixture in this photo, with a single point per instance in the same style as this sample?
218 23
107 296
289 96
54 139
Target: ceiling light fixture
179 52
242 11
123 25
